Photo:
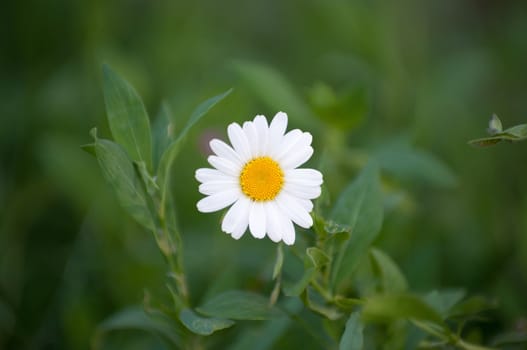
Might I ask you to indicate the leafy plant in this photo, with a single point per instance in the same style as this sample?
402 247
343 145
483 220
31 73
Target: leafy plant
351 291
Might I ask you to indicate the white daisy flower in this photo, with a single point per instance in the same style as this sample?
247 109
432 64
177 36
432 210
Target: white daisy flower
258 176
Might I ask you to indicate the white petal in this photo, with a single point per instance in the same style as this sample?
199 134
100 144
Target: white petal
288 231
262 128
212 187
224 165
252 136
294 210
276 131
257 220
243 218
239 141
306 204
218 201
233 216
296 158
301 191
288 141
274 230
207 174
308 177
279 124
225 151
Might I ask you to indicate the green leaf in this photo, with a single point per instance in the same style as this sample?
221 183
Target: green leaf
385 307
472 306
267 335
318 257
172 151
352 337
239 305
347 303
270 331
295 289
202 325
89 148
392 279
359 208
148 180
334 228
438 331
344 111
119 172
487 141
201 110
274 90
127 117
162 132
512 134
136 318
495 126
314 301
398 158
510 338
517 131
444 300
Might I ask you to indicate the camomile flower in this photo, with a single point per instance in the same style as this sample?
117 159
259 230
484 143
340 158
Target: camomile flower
259 178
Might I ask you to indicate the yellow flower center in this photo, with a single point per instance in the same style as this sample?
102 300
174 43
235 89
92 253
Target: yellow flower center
261 179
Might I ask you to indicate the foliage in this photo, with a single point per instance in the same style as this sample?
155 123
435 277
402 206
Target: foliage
393 87
331 257
497 134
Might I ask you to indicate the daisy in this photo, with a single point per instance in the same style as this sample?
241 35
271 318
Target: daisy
259 177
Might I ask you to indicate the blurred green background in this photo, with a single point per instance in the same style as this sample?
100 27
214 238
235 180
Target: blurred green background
426 72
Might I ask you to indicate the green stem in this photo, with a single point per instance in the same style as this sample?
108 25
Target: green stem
172 250
322 291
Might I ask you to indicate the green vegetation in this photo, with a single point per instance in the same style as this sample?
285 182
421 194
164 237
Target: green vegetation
420 241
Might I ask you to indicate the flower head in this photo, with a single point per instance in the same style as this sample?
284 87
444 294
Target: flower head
259 177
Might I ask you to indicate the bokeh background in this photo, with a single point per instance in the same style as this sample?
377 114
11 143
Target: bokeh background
429 73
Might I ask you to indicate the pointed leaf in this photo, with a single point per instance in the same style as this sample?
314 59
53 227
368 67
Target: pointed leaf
352 338
360 209
396 306
162 132
517 131
398 158
444 300
269 332
316 302
295 289
274 90
318 257
127 117
510 338
347 303
392 279
147 179
172 151
471 306
486 141
136 318
239 305
89 148
119 172
343 111
202 325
